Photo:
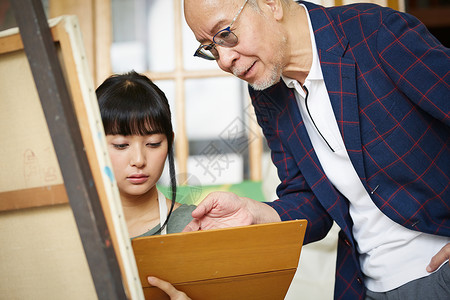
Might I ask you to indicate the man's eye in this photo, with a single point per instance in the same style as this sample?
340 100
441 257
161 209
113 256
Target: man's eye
224 34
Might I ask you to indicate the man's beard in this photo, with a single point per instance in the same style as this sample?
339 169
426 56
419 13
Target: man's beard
275 73
272 79
264 83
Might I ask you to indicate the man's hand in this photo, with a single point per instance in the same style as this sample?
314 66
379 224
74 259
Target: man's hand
166 287
224 209
439 258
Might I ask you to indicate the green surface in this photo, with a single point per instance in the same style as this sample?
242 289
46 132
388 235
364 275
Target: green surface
194 194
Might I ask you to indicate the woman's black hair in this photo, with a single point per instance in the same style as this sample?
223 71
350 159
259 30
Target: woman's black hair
131 104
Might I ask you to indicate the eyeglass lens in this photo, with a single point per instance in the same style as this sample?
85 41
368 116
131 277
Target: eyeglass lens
225 38
207 52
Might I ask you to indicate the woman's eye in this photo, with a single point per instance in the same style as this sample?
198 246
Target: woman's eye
120 146
154 145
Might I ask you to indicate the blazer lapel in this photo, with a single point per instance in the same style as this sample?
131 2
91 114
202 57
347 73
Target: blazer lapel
339 72
341 86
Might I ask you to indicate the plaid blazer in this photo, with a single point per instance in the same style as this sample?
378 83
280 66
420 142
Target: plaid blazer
388 82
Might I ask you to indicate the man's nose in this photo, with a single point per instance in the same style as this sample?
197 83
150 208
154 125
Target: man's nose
227 57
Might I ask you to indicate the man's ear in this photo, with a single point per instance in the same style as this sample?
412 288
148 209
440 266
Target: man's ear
275 7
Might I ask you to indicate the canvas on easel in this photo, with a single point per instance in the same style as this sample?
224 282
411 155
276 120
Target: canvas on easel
42 255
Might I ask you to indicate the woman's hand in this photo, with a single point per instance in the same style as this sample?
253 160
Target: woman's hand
168 288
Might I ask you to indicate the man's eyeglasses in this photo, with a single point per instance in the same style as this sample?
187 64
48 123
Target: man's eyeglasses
224 38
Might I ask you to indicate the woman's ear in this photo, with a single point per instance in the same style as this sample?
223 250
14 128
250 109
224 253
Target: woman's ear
173 137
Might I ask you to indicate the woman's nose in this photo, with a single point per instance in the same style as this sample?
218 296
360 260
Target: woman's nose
137 158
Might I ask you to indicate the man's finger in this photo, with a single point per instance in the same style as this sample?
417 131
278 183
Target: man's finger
204 207
194 225
439 258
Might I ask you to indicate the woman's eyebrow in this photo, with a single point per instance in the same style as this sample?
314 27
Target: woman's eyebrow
153 132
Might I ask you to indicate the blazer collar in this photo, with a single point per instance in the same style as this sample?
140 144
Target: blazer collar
327 34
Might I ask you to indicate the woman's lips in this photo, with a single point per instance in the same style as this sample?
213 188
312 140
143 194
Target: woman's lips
137 179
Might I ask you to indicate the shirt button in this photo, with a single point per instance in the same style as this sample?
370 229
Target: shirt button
359 280
347 242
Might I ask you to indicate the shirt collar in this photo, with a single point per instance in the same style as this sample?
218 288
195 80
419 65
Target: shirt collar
315 73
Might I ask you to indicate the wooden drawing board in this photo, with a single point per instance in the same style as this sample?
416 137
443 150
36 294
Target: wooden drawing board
250 262
30 176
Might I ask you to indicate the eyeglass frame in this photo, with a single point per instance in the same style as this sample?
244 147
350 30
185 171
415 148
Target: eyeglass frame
212 45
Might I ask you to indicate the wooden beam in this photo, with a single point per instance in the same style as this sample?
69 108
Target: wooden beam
181 140
102 40
84 10
33 197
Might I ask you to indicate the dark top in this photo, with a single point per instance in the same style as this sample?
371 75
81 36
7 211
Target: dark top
179 218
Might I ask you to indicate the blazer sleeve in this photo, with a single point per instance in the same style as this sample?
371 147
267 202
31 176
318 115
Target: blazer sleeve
417 62
296 200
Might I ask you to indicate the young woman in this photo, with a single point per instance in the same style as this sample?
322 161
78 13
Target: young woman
137 122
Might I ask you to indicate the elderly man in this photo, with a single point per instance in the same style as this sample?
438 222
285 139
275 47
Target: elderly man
354 104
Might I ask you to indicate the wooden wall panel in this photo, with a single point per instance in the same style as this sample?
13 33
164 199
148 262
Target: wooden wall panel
94 17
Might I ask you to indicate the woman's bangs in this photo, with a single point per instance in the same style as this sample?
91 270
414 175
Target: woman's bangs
134 123
143 123
135 108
